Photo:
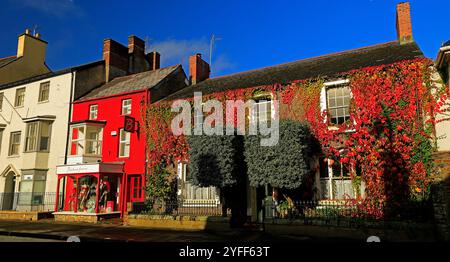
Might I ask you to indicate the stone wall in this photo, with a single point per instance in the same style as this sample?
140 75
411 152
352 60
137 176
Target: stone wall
353 229
188 223
441 195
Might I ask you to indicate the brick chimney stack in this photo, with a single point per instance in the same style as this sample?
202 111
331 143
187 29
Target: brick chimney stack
116 59
198 69
404 27
154 59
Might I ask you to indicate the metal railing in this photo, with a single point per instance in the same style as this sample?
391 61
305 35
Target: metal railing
336 209
179 207
29 201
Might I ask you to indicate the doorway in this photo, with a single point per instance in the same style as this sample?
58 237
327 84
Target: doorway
136 192
9 192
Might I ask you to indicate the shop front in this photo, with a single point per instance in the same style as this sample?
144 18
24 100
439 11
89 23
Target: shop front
93 190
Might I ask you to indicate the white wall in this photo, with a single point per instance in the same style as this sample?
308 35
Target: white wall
58 105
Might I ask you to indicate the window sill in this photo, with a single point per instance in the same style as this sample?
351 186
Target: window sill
36 151
43 102
14 156
16 107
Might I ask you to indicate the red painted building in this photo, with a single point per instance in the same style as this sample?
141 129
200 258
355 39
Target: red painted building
105 167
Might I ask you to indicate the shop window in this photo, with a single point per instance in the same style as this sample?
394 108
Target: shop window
87 194
86 140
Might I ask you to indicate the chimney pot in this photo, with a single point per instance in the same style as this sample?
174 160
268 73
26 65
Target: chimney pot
27 31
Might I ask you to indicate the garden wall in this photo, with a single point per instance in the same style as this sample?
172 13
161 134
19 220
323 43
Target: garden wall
352 229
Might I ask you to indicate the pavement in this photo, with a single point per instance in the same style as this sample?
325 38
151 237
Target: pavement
51 230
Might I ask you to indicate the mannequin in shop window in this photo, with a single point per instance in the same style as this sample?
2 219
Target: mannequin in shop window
104 192
83 197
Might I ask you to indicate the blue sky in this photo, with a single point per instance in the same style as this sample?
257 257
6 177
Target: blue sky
252 34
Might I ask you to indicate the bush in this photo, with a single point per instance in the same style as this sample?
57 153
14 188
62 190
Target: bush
284 165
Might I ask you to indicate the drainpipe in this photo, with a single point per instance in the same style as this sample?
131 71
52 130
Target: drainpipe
72 88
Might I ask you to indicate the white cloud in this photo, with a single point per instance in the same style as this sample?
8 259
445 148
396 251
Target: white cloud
221 63
178 51
175 51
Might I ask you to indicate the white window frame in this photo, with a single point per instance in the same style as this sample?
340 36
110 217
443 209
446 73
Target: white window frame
16 99
93 112
31 136
126 142
33 142
256 110
11 143
41 89
84 143
323 95
126 106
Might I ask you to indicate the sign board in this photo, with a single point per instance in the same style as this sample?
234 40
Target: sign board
129 124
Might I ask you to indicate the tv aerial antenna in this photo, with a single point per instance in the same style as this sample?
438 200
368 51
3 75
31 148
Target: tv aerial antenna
211 48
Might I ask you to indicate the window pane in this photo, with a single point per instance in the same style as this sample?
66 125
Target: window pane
126 106
338 104
124 143
93 112
44 91
31 139
45 136
20 97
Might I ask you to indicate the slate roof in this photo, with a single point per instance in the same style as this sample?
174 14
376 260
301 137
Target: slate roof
446 43
50 74
6 60
129 83
321 66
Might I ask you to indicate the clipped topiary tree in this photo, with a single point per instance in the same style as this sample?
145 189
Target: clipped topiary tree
284 165
211 160
219 161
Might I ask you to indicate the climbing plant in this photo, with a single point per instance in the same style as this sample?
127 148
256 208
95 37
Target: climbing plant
389 136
